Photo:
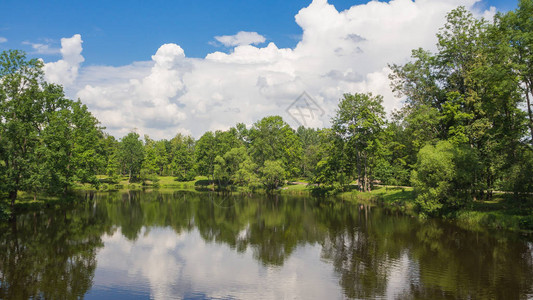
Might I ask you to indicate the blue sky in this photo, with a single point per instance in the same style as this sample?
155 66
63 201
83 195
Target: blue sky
119 32
163 67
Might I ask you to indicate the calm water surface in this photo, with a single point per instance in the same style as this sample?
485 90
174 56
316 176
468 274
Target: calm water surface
176 245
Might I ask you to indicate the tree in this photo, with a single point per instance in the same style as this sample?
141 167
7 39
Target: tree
131 155
149 166
331 168
468 93
21 105
309 139
205 154
246 175
112 158
182 156
226 167
87 138
273 139
443 177
211 145
359 121
516 28
272 174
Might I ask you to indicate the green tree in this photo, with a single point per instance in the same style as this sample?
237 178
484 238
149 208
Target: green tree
359 121
211 145
516 31
272 175
131 155
331 168
226 167
149 166
468 93
21 105
183 157
310 140
246 175
87 138
112 158
443 177
273 139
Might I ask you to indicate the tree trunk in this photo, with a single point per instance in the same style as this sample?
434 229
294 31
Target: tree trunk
529 88
13 197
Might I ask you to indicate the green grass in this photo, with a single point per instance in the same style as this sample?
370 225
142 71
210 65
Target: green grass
502 212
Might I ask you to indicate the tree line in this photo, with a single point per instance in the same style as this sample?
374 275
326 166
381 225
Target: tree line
465 130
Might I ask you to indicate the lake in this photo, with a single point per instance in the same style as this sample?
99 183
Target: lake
185 245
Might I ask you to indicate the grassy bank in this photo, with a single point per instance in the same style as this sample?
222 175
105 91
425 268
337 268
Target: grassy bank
503 212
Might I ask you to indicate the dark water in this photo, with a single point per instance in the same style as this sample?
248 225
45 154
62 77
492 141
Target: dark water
184 245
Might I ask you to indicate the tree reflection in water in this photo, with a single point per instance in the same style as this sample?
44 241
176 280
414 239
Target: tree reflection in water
373 252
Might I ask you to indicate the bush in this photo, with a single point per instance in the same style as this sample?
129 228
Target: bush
443 178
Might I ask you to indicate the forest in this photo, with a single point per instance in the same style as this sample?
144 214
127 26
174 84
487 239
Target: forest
465 130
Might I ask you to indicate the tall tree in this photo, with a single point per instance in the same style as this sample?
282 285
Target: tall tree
517 32
131 154
465 93
359 121
273 139
183 159
87 139
21 104
211 145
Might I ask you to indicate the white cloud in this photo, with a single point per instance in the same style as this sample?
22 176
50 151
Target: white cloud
65 71
3 39
39 48
241 38
339 52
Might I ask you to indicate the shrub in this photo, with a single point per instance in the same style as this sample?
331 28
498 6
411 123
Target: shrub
443 177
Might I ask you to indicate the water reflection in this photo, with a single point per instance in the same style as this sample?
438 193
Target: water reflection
49 255
188 245
184 266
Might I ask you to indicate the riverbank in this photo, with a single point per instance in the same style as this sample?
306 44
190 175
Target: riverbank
503 212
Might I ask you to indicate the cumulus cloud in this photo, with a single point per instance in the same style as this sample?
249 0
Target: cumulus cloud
339 52
65 71
140 97
241 38
3 39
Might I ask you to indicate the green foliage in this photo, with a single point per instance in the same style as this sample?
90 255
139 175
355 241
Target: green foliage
443 177
331 168
48 141
149 166
182 157
131 153
227 167
519 175
211 145
359 121
273 139
272 174
469 92
310 140
246 175
112 157
515 29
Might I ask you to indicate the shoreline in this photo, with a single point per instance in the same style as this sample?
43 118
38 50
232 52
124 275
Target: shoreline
502 213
